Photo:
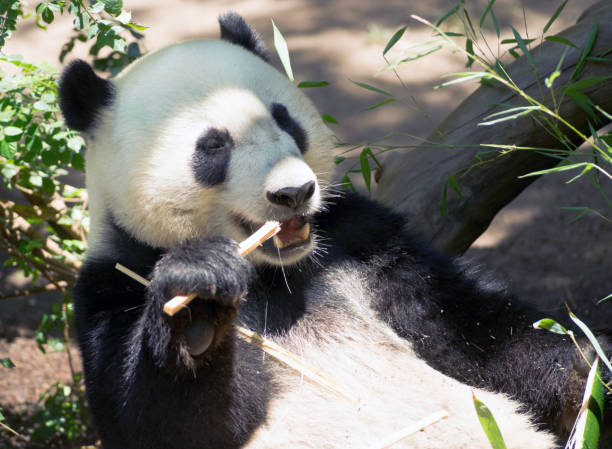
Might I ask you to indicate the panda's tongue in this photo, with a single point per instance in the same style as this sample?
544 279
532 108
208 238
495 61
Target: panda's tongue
292 231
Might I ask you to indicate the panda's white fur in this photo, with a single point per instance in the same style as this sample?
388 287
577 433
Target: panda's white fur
394 386
139 172
149 135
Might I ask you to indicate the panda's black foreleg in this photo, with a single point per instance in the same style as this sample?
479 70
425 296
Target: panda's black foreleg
144 387
477 334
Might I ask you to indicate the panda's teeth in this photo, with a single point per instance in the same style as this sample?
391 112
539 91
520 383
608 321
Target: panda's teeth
278 242
304 231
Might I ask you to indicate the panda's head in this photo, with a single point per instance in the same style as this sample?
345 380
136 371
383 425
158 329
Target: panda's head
201 139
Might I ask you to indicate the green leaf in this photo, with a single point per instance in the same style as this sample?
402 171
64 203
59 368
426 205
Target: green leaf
556 169
488 423
6 150
48 186
92 31
469 48
307 84
462 78
96 8
560 40
329 119
554 17
136 26
124 17
7 363
523 46
283 51
372 88
382 103
12 131
484 14
78 162
550 325
9 171
495 24
347 184
585 329
396 37
35 179
366 172
47 15
522 110
586 51
75 143
453 183
587 425
113 7
81 21
447 15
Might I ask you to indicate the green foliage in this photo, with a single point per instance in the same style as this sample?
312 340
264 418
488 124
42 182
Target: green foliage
45 234
62 412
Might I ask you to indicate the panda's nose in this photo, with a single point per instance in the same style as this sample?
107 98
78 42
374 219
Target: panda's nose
292 197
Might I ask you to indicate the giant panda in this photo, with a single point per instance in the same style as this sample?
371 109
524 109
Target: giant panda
190 149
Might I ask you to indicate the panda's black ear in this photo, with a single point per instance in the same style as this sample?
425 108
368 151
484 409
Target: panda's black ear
82 94
234 29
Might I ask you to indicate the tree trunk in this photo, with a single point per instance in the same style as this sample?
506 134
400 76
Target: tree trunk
413 181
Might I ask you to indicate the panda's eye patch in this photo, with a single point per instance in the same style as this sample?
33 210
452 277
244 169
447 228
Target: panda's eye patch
214 140
211 156
285 122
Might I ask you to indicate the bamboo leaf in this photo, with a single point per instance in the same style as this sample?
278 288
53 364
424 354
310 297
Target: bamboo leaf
561 40
585 329
447 15
329 119
463 77
555 169
308 84
488 423
523 110
469 48
495 24
586 431
283 51
382 103
586 51
523 46
554 17
453 183
372 88
366 172
396 37
484 14
550 325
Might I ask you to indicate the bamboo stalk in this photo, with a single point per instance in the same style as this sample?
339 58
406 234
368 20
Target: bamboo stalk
413 428
269 229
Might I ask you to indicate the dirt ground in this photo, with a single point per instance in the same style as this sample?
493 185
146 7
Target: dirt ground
530 245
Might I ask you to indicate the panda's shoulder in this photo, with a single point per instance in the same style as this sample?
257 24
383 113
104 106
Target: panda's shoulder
361 225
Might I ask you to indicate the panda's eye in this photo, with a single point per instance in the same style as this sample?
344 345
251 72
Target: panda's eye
211 156
285 122
214 140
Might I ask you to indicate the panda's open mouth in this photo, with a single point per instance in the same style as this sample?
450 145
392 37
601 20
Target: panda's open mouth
294 234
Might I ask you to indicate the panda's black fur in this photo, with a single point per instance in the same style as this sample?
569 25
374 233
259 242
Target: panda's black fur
147 391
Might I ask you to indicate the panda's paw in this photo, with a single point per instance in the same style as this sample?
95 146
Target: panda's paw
215 271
